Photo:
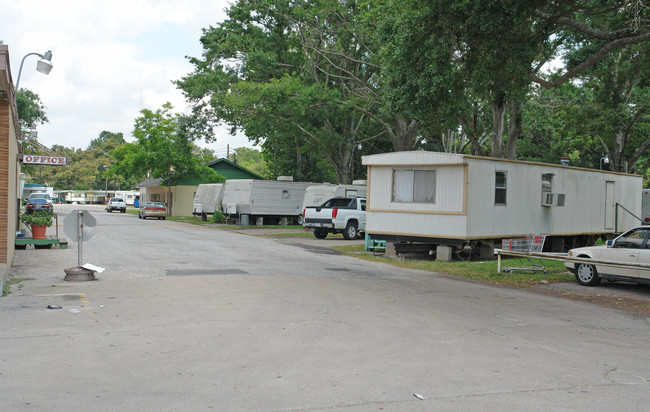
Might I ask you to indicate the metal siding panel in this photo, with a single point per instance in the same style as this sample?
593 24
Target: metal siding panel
425 225
412 158
266 198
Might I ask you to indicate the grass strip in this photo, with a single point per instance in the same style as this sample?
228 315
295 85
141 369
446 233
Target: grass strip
483 271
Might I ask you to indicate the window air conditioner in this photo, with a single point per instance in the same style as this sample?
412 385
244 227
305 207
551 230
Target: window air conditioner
547 199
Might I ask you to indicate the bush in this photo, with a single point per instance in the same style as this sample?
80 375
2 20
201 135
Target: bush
218 217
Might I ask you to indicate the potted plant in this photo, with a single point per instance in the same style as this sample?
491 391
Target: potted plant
39 220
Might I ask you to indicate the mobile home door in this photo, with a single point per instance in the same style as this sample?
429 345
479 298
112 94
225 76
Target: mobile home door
610 208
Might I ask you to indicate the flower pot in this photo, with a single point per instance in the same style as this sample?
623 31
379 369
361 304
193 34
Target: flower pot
38 232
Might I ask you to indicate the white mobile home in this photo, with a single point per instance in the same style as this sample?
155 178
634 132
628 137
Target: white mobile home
259 199
319 194
455 200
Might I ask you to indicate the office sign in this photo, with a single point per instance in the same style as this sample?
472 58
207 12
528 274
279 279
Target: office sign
44 160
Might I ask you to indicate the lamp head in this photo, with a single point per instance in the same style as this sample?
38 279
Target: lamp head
606 160
45 64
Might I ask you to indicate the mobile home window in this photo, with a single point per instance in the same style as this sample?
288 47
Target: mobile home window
547 182
500 187
414 186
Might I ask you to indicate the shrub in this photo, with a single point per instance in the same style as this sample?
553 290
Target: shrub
218 217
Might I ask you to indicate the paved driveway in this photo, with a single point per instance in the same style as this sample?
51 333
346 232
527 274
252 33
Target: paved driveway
190 318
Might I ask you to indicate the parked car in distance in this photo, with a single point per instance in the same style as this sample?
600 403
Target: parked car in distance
116 203
632 246
45 196
153 209
38 204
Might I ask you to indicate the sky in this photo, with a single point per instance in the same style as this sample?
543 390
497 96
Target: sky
110 60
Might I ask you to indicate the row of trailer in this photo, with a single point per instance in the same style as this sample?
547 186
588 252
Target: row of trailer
429 200
266 201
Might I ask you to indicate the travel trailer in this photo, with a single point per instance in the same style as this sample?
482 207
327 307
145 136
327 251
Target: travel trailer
207 199
263 200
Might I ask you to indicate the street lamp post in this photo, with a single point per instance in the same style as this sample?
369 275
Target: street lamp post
44 65
604 160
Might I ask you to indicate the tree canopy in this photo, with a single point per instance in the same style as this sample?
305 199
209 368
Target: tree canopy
164 149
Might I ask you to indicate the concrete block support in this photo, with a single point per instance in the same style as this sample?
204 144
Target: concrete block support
444 253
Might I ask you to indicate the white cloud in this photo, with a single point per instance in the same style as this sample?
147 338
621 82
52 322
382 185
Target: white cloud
110 58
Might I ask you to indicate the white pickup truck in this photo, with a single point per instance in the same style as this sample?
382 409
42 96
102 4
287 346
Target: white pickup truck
345 215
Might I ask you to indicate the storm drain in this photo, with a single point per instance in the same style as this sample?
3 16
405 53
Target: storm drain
338 269
202 272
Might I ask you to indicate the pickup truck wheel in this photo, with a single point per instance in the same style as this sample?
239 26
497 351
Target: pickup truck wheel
109 210
350 232
320 234
123 210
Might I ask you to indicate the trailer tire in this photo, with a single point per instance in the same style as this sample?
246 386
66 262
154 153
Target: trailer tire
350 232
320 234
586 274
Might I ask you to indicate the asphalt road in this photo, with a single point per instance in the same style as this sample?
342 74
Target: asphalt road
193 318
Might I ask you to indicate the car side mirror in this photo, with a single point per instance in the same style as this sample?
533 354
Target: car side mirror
610 243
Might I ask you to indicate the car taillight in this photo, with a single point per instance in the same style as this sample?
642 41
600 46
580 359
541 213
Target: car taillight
30 206
303 212
335 212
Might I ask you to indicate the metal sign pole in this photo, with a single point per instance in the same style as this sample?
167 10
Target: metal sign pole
80 236
74 227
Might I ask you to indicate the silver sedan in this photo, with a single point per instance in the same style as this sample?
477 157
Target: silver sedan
153 209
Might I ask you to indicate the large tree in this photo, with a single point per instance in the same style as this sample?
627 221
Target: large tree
164 148
301 79
438 50
605 113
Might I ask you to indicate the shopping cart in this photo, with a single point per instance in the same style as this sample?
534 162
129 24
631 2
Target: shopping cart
533 244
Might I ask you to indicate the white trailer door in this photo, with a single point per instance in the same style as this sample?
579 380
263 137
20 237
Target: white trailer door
610 207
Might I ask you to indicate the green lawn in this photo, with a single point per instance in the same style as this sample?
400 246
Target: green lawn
484 271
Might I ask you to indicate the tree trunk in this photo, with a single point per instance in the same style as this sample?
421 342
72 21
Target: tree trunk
299 174
476 145
405 136
498 125
618 161
514 131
